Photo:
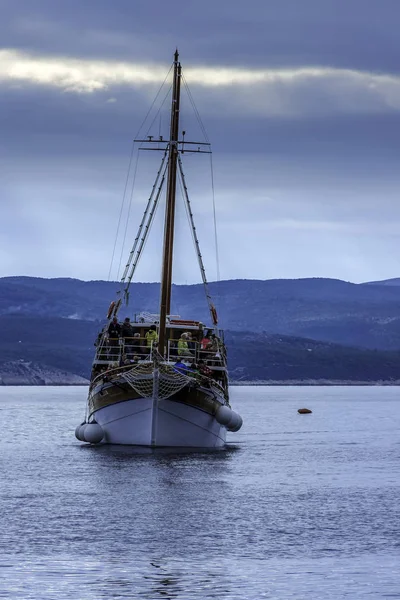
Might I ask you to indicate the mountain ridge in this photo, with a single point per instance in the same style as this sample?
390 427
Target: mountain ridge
68 345
310 329
365 315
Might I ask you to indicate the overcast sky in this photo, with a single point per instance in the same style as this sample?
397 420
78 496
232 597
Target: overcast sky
300 99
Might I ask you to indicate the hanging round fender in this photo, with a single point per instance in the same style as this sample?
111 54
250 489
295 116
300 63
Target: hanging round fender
223 415
110 310
235 423
93 433
77 432
81 432
214 314
229 418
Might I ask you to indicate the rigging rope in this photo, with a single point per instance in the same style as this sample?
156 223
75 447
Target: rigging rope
159 110
215 220
134 181
121 211
147 228
189 93
189 214
128 215
149 213
129 170
146 211
154 101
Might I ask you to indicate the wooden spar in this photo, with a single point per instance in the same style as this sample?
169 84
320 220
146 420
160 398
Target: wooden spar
166 277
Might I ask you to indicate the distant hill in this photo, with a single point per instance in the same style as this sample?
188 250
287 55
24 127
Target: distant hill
395 281
22 372
287 358
329 310
65 344
61 344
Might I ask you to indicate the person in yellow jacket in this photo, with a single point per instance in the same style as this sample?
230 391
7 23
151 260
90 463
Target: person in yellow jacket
183 347
151 337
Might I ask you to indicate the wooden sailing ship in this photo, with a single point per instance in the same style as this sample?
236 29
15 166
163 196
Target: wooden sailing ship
160 381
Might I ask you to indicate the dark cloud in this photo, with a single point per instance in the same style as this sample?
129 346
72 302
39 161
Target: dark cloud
47 122
340 33
306 171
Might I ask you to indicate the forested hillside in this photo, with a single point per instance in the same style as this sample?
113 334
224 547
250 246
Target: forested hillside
67 344
365 315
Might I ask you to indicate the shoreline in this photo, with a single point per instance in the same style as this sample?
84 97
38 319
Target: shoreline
252 383
29 384
313 382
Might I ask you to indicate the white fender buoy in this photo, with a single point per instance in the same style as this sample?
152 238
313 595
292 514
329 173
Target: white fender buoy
77 429
235 423
229 418
223 415
81 432
93 433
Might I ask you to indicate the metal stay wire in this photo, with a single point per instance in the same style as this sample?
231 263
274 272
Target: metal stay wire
129 171
147 227
190 217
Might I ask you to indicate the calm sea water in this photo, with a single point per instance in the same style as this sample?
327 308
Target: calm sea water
297 506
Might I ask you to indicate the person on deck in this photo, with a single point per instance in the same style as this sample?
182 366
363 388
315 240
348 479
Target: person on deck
183 347
213 345
205 345
114 333
136 346
191 342
203 369
151 337
127 334
206 341
214 356
180 367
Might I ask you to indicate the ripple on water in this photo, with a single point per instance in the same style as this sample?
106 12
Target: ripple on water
291 509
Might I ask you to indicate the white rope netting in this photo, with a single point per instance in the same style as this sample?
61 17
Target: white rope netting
161 382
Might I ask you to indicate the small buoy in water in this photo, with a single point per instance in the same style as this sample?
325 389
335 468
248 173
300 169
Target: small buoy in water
93 433
304 411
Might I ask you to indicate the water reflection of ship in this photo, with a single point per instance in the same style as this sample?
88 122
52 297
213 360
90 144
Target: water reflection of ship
163 381
184 453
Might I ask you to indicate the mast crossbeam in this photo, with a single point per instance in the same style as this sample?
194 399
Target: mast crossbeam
181 151
179 142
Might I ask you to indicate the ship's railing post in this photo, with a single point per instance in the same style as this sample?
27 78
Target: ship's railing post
113 349
120 350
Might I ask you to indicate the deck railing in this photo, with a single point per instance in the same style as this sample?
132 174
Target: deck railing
119 350
195 352
116 350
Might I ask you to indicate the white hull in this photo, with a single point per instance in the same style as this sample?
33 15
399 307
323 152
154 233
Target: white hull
162 423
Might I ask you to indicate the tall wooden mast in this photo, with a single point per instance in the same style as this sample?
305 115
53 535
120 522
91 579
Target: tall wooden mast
166 277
